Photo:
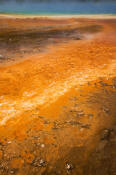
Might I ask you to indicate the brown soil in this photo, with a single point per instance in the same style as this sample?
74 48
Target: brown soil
57 103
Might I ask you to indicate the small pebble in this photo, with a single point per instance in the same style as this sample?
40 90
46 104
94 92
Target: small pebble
1 56
11 172
81 129
69 166
42 146
114 87
105 134
106 110
41 162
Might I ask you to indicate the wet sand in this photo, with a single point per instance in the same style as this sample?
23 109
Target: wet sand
57 96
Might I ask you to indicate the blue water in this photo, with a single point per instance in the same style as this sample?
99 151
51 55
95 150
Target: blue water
52 7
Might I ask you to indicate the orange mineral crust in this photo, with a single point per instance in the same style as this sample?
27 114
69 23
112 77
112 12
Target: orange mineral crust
57 106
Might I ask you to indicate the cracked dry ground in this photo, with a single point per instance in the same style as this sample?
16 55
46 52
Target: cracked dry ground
58 107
